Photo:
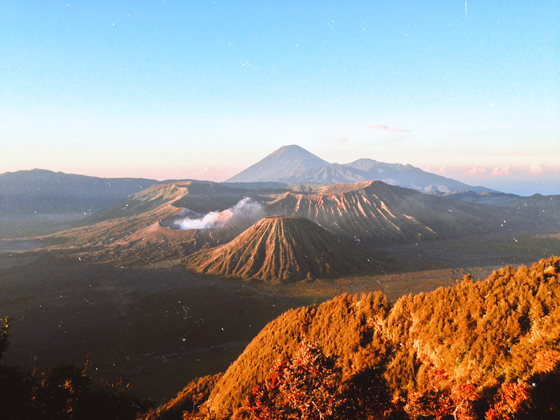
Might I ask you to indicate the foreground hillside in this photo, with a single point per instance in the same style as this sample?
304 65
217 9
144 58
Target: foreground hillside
480 349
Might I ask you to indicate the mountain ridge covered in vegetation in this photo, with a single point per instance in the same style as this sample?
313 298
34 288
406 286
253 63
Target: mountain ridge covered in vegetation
481 349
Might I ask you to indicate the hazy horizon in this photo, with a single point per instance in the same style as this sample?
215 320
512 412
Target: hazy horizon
164 90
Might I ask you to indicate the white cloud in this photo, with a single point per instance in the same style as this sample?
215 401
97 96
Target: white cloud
386 128
476 172
537 167
502 171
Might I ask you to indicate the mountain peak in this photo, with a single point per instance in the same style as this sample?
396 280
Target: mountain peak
290 148
294 164
280 164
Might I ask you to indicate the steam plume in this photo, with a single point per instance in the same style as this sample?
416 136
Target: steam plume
219 218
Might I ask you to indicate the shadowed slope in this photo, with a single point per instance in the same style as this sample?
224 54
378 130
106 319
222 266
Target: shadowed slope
280 249
45 192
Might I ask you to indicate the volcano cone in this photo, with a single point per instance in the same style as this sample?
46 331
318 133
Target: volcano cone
281 249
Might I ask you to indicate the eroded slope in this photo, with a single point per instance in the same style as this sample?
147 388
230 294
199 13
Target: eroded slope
376 212
281 249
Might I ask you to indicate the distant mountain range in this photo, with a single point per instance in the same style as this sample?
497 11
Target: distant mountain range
46 192
293 164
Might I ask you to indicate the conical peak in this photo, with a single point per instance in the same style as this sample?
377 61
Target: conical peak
282 223
293 150
290 147
281 163
279 249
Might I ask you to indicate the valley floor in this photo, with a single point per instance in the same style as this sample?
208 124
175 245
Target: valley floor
160 327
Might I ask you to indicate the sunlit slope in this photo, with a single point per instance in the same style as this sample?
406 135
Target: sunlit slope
343 326
128 216
376 212
138 228
484 333
282 249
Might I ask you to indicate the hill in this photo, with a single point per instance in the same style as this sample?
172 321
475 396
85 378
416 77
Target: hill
293 164
475 336
47 192
281 249
516 203
145 224
127 216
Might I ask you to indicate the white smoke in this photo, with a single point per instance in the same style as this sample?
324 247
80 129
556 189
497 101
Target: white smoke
219 218
210 220
246 206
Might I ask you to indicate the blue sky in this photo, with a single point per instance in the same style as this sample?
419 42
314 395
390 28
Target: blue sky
203 89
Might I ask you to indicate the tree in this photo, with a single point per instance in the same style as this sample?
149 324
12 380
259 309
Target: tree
310 386
366 395
16 386
444 399
511 401
62 392
4 343
304 387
